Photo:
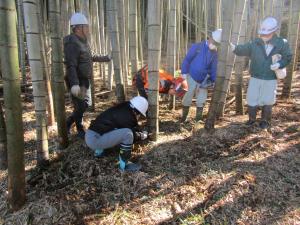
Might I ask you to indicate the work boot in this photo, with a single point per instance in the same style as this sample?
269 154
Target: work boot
252 115
70 122
185 112
124 156
266 116
99 153
199 113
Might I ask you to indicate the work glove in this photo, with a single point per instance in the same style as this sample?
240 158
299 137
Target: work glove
232 46
75 90
184 76
275 66
144 135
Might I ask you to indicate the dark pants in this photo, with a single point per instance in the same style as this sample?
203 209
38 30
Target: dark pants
80 106
140 86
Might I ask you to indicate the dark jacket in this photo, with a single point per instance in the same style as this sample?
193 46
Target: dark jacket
260 62
116 117
79 61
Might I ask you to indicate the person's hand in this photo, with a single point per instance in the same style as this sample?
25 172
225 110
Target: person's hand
75 90
275 66
144 135
184 76
232 46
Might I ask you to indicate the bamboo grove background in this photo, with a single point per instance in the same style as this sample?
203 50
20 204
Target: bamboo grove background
134 33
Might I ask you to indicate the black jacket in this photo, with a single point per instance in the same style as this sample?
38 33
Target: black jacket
79 61
116 117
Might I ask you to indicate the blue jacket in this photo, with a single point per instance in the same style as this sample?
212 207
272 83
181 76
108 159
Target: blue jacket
200 61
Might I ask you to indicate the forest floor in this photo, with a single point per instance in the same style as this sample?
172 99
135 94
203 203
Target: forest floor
234 175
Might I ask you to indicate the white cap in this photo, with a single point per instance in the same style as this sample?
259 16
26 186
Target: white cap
78 19
268 25
140 104
217 35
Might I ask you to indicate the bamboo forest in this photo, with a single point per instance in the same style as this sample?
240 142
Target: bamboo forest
149 112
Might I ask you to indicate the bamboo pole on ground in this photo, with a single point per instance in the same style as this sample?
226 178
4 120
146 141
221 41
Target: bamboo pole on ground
12 104
38 79
154 48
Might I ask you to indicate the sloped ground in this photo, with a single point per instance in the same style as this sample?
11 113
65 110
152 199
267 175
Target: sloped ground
235 175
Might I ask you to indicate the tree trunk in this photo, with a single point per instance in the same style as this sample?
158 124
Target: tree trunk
38 79
222 80
294 21
44 43
154 48
12 104
236 27
139 29
102 41
171 44
21 41
3 142
114 35
64 17
268 8
122 22
277 11
133 50
58 72
239 69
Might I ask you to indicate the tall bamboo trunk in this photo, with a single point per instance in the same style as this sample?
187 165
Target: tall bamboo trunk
57 72
64 17
44 43
239 68
171 44
12 104
21 40
3 141
139 29
122 33
154 48
235 33
277 11
293 29
221 81
102 41
133 37
114 35
268 8
38 79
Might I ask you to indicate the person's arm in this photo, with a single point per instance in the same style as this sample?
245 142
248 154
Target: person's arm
243 50
100 58
72 53
188 59
286 55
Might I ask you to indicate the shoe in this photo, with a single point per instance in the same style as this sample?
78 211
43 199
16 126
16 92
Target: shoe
199 113
252 115
264 124
131 167
99 153
185 112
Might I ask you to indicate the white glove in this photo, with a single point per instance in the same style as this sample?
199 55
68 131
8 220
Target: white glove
144 135
184 76
232 46
75 90
275 66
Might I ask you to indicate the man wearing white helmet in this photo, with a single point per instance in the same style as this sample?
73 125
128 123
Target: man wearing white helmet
263 82
199 68
79 66
118 125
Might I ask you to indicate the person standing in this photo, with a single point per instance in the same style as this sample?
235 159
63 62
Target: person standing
263 82
79 67
199 68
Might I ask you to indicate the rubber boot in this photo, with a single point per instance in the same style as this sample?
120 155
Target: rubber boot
199 113
185 112
124 156
252 115
266 116
99 153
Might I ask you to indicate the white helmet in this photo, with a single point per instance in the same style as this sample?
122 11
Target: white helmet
268 25
140 104
78 19
217 35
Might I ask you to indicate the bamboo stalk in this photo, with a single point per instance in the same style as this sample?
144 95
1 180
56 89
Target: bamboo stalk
133 51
